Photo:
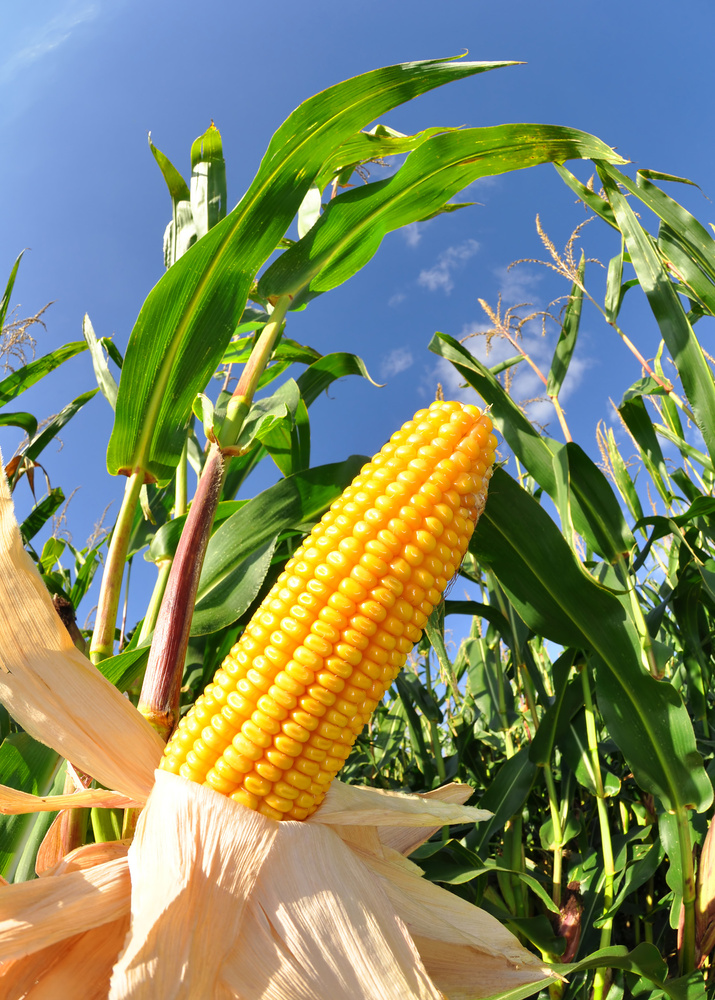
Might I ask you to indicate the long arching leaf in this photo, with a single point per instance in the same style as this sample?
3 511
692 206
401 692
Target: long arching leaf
546 584
188 318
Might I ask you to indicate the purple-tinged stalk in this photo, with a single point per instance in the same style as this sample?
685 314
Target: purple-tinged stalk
161 690
159 701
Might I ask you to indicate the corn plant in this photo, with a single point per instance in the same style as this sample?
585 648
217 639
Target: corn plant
575 712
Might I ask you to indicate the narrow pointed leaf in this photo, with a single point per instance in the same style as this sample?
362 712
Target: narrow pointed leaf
5 300
41 513
189 317
12 385
353 225
569 333
105 379
596 513
55 425
27 421
675 329
178 188
558 599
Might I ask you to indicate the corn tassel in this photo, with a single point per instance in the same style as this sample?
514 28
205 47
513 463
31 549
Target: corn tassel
284 709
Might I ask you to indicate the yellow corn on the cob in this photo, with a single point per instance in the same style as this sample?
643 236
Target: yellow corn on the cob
289 700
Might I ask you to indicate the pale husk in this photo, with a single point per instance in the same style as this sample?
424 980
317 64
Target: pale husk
466 951
53 691
236 905
34 915
354 805
13 801
89 856
408 839
76 968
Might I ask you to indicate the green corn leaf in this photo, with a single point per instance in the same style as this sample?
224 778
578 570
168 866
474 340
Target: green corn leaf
178 188
521 992
323 372
505 796
614 286
12 385
636 418
27 421
122 670
675 329
105 379
694 235
55 425
350 230
31 767
291 502
41 513
518 541
624 483
592 200
180 234
41 823
208 181
373 144
187 320
681 263
223 600
596 513
286 350
266 414
562 709
7 294
569 334
86 563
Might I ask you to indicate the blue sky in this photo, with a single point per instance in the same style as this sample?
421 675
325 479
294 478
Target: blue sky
82 82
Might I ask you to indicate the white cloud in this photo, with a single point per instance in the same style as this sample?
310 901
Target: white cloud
525 385
439 277
411 234
48 37
519 283
395 299
395 362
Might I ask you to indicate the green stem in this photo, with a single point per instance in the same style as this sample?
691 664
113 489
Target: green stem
601 980
105 623
240 402
152 612
434 729
182 493
556 875
106 825
686 956
159 701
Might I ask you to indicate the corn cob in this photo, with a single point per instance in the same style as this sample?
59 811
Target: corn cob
285 707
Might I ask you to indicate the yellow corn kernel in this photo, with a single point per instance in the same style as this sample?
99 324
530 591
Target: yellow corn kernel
287 704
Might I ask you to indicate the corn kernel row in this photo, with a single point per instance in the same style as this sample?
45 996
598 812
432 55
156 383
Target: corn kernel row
283 711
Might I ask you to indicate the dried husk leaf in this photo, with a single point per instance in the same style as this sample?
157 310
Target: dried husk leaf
406 839
353 805
466 951
194 862
35 915
44 678
89 856
329 925
236 905
13 801
78 967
